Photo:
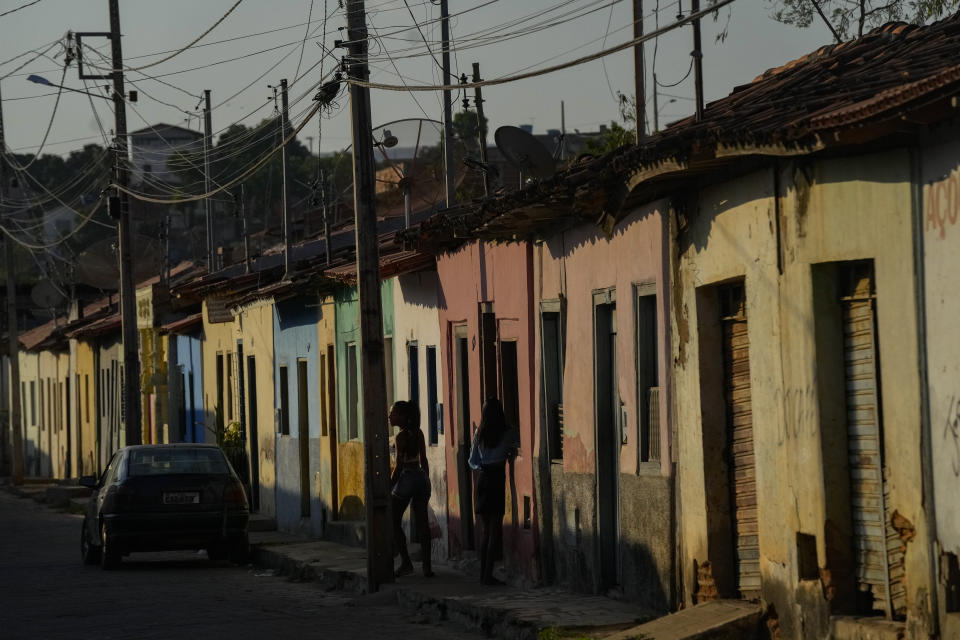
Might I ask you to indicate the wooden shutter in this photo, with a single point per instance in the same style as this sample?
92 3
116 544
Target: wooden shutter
739 412
877 546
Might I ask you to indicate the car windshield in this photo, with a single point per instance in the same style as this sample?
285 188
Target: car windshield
153 462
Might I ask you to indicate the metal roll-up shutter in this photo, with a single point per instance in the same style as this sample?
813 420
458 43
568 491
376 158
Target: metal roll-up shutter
877 547
736 361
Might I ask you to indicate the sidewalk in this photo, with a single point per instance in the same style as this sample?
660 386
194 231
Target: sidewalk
502 612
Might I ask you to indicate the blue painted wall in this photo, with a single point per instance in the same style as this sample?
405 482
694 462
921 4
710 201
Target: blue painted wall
190 361
295 338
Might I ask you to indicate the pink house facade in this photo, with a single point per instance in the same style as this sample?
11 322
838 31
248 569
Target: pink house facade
487 332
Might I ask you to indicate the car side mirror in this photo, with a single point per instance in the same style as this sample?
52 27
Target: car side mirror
88 481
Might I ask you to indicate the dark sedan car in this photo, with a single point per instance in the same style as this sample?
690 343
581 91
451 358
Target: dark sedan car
165 497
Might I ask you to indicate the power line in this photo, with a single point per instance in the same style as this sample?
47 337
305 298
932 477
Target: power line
423 37
53 114
305 36
566 65
195 41
23 6
42 53
250 171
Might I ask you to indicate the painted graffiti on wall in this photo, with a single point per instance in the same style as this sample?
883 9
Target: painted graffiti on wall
943 204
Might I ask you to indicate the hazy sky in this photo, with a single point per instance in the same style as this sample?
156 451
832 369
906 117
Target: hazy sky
495 34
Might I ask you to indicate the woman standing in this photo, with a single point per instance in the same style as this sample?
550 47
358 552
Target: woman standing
411 482
492 447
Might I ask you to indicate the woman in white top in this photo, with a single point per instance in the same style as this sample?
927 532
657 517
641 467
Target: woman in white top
493 445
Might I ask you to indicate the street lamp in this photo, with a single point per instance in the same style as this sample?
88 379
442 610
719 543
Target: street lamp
132 96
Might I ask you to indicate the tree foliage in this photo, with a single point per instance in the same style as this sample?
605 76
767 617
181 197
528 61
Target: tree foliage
853 18
617 135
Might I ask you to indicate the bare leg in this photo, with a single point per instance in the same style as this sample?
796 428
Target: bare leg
423 532
486 565
399 505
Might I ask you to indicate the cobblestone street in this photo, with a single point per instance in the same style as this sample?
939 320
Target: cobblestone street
47 593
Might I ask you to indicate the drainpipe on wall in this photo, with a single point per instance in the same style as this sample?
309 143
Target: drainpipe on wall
926 434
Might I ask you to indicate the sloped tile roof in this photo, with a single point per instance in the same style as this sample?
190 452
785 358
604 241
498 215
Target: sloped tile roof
837 97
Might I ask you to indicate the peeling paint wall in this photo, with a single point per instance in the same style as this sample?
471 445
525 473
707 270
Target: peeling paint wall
84 380
108 396
569 267
323 446
218 338
828 211
501 275
350 472
941 245
34 462
253 326
295 340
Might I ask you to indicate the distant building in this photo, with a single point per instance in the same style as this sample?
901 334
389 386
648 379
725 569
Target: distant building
153 148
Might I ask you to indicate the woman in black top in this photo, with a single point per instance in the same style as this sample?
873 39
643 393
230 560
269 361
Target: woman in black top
411 482
493 446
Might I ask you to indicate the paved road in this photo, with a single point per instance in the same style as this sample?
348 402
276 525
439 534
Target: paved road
47 593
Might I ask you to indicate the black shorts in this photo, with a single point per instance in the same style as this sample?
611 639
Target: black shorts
413 483
491 490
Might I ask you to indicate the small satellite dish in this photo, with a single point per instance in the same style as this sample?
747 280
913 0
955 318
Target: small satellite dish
525 152
45 295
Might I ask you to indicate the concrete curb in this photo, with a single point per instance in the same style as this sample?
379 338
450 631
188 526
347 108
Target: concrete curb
507 612
331 579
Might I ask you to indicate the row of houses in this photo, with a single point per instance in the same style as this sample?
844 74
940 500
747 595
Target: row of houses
730 351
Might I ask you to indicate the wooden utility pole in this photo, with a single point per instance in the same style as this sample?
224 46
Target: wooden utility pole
638 71
697 54
376 445
284 127
326 219
128 310
447 106
13 335
481 128
207 202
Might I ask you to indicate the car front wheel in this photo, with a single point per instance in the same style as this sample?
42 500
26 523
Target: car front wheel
89 552
109 555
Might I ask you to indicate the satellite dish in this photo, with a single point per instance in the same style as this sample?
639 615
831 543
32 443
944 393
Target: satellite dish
99 265
525 152
409 168
45 295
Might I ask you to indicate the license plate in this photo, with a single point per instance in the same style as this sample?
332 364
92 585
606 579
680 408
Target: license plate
181 497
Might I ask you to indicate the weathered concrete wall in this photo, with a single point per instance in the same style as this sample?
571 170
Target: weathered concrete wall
829 211
109 396
350 485
218 337
569 267
87 422
33 460
645 556
574 264
254 327
323 446
416 318
502 275
295 341
941 247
